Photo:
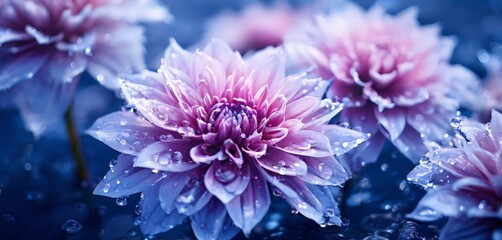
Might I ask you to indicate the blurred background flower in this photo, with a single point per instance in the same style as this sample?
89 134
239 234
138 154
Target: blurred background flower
45 45
392 74
255 27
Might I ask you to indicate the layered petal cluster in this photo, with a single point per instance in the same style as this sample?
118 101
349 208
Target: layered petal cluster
213 131
464 182
391 74
46 44
255 27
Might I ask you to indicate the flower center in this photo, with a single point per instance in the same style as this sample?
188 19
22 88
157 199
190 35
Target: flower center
234 120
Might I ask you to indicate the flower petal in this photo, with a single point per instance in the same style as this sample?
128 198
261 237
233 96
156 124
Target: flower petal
268 69
48 100
22 67
250 207
323 113
442 201
125 132
283 163
343 139
312 201
172 156
193 198
469 228
153 103
154 219
365 153
410 144
496 125
124 179
213 222
392 120
324 171
206 153
226 180
108 59
170 188
306 143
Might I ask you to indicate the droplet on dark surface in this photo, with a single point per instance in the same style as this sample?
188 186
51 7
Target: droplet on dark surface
71 226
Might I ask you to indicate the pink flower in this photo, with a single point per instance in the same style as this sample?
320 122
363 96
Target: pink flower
46 44
255 27
392 75
464 183
211 132
490 93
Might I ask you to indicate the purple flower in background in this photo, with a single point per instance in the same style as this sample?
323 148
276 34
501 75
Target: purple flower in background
255 27
46 44
392 75
211 129
464 183
490 93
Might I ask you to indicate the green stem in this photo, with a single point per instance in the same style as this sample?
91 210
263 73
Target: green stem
76 149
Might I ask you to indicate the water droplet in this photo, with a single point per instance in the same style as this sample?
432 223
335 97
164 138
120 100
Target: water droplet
127 108
138 221
112 163
302 205
138 209
456 122
166 138
106 188
177 156
88 51
224 173
35 196
121 201
482 204
132 233
100 78
71 226
276 192
384 167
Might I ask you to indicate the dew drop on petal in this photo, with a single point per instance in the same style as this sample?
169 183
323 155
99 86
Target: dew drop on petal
106 188
112 163
456 122
166 138
138 209
177 157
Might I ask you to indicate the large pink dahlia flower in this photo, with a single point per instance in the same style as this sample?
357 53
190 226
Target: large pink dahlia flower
212 130
465 183
392 75
46 44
